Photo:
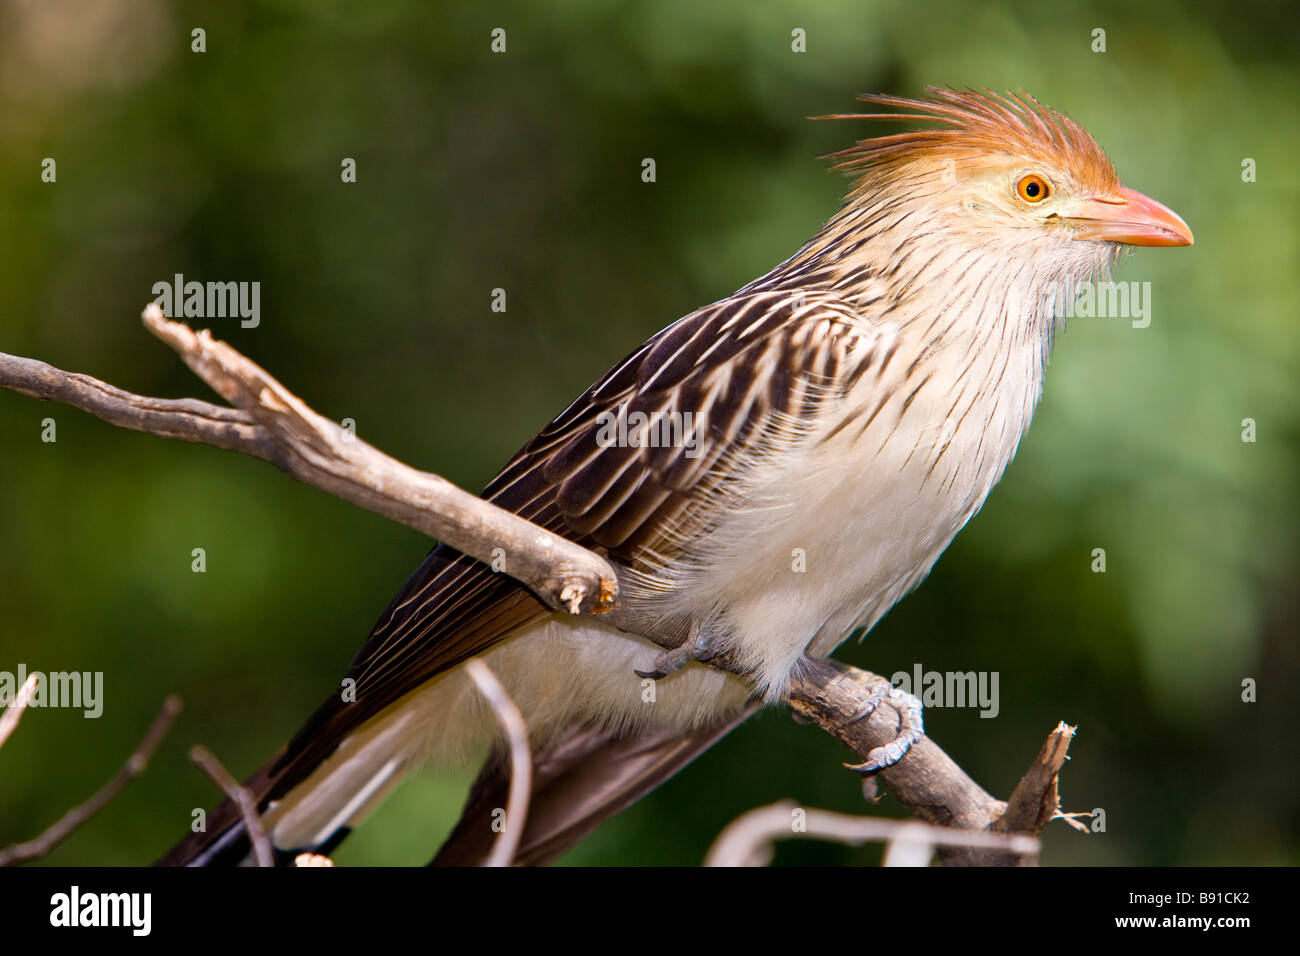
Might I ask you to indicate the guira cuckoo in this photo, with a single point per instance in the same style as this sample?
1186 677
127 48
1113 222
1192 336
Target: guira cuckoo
855 405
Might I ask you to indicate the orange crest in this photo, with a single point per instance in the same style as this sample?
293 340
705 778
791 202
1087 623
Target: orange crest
978 123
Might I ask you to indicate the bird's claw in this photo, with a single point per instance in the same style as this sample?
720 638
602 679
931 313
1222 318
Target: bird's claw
911 727
670 662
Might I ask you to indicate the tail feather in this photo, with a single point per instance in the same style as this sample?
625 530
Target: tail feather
313 814
223 839
587 777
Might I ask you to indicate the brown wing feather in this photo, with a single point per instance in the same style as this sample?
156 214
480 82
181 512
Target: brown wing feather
728 379
616 499
740 366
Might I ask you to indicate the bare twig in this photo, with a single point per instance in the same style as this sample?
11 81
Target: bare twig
271 423
521 761
185 419
747 840
828 692
928 782
1035 800
207 761
14 712
135 765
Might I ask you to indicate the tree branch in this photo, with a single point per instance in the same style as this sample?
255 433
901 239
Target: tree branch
515 731
207 761
15 709
747 840
135 765
270 423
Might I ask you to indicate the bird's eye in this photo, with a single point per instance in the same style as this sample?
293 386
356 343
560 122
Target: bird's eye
1033 188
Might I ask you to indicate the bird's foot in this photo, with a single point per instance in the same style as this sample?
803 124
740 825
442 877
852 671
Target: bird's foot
670 662
911 726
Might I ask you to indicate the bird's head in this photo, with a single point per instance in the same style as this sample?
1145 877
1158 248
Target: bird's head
1004 167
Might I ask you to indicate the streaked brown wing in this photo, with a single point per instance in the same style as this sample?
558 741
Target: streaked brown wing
753 372
712 395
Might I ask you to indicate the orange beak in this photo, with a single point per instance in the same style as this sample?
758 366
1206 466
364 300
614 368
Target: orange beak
1128 216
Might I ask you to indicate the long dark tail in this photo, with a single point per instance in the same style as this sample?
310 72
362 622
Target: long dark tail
223 839
587 778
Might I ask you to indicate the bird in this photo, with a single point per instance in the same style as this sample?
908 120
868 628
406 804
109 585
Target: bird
769 474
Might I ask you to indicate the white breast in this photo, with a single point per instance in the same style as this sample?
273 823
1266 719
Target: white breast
837 534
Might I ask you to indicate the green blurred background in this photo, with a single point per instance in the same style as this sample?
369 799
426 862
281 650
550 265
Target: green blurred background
522 171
